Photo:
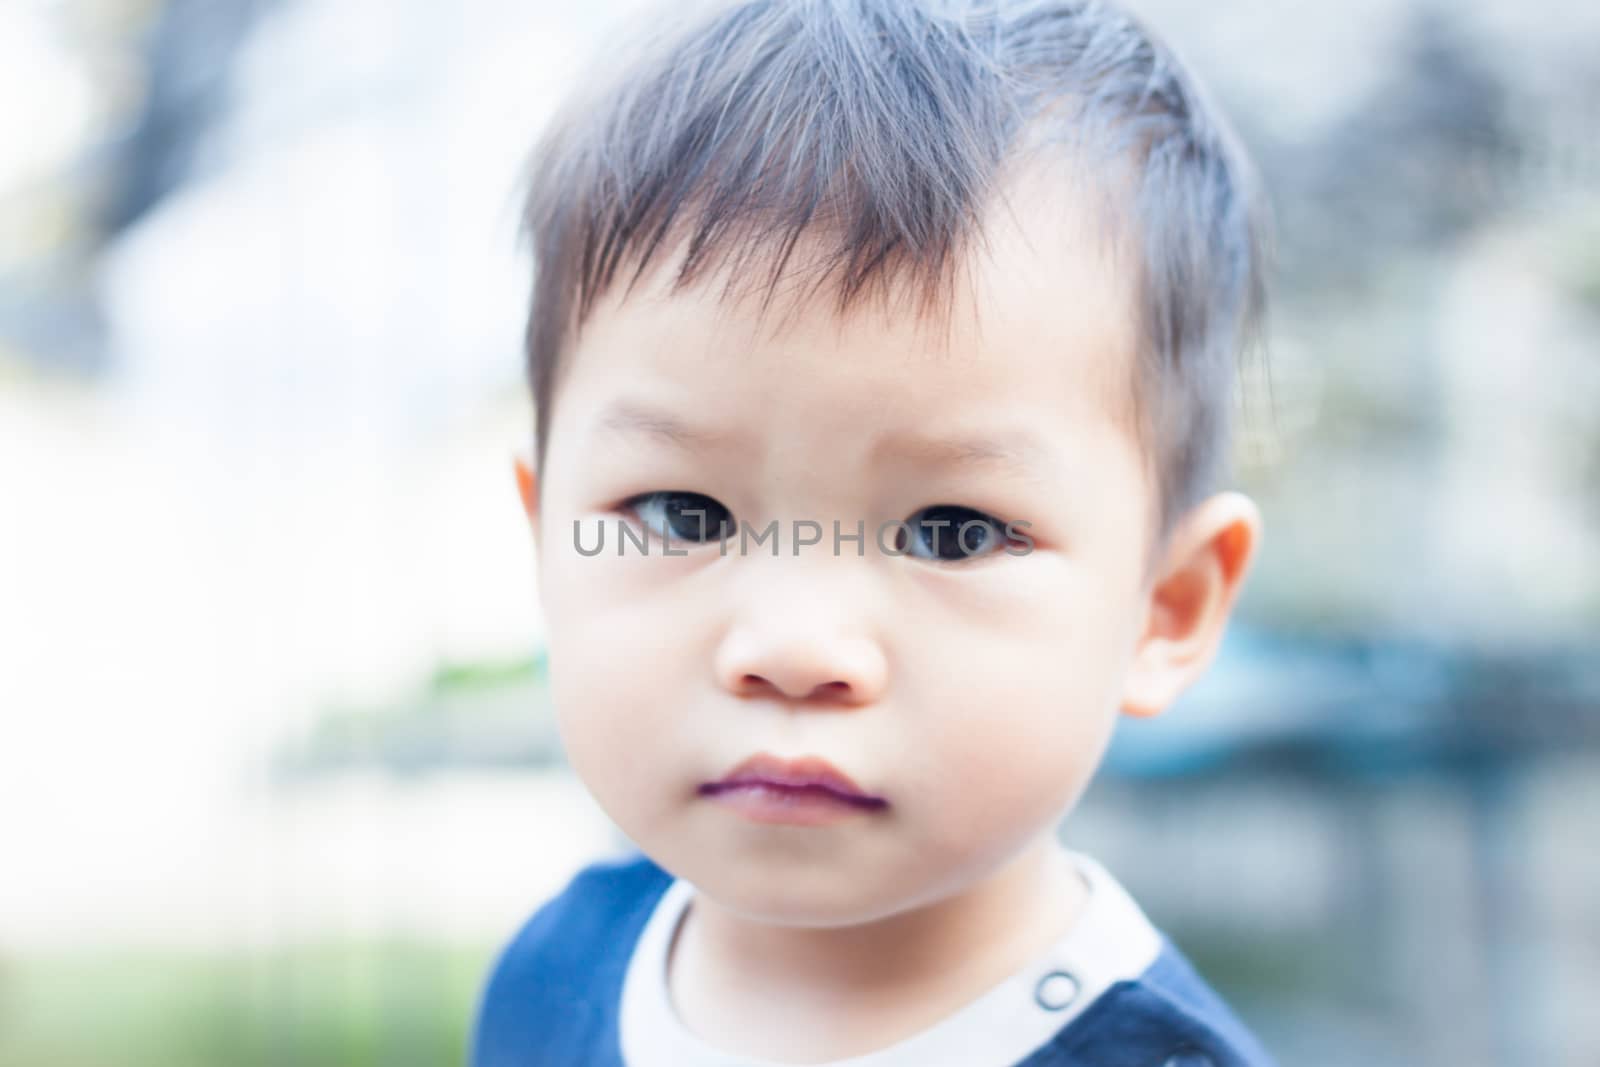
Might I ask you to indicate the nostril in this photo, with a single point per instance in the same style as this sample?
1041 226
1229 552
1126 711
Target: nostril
833 692
799 667
751 683
754 682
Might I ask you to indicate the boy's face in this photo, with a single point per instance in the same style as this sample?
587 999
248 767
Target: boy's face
975 696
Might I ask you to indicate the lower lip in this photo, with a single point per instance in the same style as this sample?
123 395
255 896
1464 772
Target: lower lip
797 807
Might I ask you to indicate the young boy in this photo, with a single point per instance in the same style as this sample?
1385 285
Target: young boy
864 504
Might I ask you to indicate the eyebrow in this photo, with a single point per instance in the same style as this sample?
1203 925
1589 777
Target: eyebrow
1016 452
631 417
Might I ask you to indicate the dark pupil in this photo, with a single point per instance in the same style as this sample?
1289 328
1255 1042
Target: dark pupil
703 515
954 541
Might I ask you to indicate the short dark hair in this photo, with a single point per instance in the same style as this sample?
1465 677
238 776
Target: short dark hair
882 124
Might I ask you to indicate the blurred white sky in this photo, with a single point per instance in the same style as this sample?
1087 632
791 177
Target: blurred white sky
297 487
42 91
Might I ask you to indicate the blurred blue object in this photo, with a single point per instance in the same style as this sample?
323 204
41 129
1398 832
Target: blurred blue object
1365 704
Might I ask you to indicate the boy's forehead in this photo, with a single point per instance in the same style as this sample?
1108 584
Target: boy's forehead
1038 298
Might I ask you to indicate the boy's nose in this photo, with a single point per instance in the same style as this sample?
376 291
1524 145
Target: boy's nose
798 664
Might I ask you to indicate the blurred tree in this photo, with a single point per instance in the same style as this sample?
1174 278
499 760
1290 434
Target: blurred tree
189 51
1421 162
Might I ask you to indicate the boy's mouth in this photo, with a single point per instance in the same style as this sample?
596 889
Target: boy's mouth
806 775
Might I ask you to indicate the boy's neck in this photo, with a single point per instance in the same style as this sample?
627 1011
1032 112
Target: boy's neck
807 995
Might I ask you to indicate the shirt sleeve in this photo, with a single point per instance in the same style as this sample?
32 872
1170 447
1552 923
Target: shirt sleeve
552 991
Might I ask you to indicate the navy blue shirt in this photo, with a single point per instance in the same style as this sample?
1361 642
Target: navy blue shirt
552 997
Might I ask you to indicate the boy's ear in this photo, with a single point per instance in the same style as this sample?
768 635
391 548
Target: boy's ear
1190 601
528 489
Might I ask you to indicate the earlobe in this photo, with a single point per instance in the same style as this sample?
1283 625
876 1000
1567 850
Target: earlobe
1191 601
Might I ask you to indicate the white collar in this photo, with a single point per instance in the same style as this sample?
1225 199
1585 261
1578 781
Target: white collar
1112 940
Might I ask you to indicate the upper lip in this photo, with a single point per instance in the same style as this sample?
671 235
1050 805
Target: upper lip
767 769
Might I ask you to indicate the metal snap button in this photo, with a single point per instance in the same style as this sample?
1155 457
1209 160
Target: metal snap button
1056 990
1189 1057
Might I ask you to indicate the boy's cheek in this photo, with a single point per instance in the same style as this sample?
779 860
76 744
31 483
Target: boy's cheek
622 735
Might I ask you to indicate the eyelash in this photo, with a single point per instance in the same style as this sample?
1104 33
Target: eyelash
632 504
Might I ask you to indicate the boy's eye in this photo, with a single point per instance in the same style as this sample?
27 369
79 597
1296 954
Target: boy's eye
950 533
684 516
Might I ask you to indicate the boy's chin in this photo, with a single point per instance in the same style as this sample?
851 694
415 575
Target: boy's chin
797 891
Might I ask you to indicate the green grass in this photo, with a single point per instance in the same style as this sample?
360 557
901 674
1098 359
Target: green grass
394 1003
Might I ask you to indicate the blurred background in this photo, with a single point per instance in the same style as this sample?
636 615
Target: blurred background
278 774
